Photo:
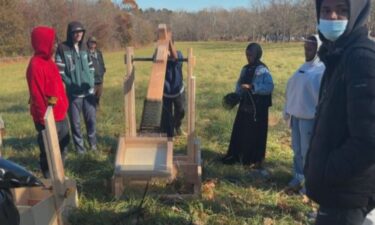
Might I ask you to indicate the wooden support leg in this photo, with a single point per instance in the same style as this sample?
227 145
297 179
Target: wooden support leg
117 186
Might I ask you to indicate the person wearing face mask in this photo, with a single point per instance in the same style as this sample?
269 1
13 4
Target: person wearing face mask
340 164
301 98
249 133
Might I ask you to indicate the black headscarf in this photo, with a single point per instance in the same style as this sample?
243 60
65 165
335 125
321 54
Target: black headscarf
259 52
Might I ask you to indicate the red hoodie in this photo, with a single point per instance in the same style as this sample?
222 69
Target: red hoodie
43 77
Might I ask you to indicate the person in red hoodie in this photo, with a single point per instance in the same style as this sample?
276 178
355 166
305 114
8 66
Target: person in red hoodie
46 88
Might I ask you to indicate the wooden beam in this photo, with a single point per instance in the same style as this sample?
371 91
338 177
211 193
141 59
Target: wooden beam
191 107
156 83
129 98
53 152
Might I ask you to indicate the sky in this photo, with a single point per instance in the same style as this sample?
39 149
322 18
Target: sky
192 5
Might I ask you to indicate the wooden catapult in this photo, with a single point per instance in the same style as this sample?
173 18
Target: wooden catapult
48 205
145 156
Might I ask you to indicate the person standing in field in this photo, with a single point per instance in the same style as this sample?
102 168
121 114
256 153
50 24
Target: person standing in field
340 163
249 134
77 71
96 57
173 94
46 88
302 93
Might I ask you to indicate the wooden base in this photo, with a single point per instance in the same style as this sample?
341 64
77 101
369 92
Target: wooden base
189 173
39 206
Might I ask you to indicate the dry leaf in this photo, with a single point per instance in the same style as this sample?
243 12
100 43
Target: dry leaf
268 221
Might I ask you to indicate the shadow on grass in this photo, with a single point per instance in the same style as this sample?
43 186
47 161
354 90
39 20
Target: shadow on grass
21 143
128 215
17 109
241 176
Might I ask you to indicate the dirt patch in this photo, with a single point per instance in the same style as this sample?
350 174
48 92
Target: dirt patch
273 120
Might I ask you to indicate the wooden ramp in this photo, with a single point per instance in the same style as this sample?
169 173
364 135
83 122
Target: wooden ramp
48 205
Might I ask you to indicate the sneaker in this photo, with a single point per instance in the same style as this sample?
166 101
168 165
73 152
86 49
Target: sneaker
180 132
94 148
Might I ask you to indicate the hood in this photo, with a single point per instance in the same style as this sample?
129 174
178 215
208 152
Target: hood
318 44
42 40
358 16
74 26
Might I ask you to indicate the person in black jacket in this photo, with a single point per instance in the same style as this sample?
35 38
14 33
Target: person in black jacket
98 62
340 165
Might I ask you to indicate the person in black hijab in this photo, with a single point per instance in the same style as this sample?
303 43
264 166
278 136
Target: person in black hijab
340 164
249 134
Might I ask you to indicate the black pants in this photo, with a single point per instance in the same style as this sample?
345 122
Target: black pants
98 93
62 128
336 216
173 113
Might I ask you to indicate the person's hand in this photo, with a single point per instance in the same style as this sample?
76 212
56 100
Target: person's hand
52 101
246 86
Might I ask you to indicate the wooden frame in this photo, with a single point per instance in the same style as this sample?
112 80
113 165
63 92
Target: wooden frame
48 205
188 165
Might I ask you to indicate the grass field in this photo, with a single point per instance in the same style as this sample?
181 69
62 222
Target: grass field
239 197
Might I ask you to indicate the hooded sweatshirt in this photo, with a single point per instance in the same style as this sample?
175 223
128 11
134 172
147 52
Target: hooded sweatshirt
43 77
340 164
75 67
302 91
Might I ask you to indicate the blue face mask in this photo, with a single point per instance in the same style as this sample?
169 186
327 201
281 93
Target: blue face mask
332 29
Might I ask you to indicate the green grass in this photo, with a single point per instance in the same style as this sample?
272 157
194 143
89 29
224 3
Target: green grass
239 197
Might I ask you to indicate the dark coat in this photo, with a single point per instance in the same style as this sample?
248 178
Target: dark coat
99 66
340 164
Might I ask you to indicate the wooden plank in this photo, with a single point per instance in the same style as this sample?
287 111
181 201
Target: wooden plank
170 156
2 132
129 98
53 153
162 32
120 155
117 186
191 107
156 82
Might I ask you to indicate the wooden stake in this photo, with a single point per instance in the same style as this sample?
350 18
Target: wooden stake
191 107
53 152
129 105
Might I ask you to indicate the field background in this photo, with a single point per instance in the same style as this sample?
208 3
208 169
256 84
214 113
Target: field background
239 197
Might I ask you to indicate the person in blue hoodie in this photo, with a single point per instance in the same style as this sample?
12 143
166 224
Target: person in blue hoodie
301 98
249 133
174 95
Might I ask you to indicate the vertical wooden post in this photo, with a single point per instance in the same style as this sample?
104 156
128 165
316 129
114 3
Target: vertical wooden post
55 164
2 131
53 151
191 107
129 92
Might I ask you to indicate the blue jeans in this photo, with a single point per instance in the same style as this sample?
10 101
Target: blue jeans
86 105
301 134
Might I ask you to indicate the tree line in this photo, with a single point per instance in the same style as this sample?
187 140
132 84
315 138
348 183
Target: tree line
117 24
